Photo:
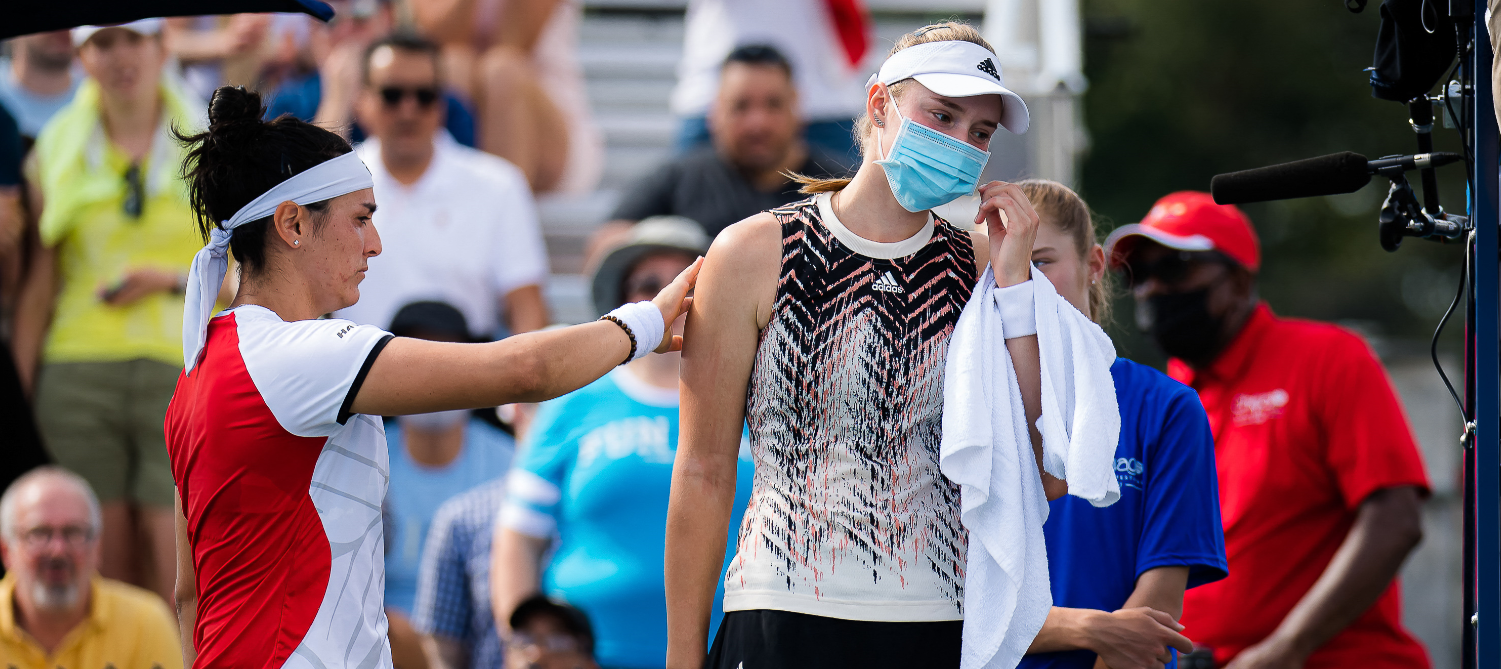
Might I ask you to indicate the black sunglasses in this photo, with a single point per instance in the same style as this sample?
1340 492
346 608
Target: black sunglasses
393 95
135 191
1171 268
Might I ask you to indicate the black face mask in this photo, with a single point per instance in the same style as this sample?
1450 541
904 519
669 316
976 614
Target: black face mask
1181 325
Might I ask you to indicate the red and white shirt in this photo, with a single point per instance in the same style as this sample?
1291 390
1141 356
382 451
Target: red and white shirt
282 488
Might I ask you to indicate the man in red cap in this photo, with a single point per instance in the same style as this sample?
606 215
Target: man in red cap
1321 485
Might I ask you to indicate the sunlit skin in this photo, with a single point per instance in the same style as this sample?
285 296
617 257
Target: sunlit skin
331 258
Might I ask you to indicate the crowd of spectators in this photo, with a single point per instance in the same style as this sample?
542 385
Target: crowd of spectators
465 111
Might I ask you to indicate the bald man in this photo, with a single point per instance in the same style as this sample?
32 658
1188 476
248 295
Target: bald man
55 610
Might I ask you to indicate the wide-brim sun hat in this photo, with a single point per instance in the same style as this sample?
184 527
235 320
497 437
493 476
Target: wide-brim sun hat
147 27
652 235
955 69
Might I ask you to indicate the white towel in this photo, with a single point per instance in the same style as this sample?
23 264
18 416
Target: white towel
987 451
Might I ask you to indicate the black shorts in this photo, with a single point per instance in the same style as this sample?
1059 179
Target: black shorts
763 639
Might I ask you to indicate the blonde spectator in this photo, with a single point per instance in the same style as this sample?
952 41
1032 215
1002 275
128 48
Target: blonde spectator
55 610
514 59
98 329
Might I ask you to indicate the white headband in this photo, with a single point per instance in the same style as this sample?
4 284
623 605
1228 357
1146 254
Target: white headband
324 181
955 69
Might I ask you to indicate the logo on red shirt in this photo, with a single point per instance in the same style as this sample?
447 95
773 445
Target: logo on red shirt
1259 408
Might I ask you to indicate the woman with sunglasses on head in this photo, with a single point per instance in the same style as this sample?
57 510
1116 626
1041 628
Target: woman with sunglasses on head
274 431
99 320
824 325
593 478
1118 573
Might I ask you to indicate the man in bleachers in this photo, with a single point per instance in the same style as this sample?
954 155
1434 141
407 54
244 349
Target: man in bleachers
55 609
757 133
458 225
37 80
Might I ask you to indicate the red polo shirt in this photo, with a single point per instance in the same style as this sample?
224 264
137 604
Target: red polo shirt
1306 425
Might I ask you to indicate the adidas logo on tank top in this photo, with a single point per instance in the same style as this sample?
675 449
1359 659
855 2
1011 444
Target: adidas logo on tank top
887 284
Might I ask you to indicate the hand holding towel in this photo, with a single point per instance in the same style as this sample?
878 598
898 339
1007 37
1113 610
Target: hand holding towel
987 450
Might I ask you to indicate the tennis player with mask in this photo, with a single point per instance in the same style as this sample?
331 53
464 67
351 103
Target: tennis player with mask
824 325
274 431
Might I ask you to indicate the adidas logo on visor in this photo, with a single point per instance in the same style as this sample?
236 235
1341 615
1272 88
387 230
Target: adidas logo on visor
988 67
887 284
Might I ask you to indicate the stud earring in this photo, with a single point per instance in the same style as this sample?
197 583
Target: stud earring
880 123
296 242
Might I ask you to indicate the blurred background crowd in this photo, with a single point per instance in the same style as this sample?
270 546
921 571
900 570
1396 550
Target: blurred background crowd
542 161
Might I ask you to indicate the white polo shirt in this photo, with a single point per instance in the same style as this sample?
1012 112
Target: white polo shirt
466 233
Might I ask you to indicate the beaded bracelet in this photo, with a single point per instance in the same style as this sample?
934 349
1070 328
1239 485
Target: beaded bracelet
630 335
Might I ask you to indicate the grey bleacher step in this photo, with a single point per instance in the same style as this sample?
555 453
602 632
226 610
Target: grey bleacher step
634 61
633 95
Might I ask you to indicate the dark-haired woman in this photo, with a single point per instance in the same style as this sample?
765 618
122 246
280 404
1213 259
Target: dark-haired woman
274 433
98 325
824 325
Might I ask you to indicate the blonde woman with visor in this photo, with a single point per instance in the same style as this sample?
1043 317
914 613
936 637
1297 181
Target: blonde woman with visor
824 325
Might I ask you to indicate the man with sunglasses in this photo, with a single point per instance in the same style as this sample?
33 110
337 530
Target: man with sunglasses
1321 484
459 225
55 610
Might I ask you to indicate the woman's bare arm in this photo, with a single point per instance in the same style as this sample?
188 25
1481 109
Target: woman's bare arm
445 21
515 572
1011 228
524 22
417 376
732 305
185 592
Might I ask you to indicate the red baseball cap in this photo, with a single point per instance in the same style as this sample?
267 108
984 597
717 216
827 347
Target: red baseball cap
1190 221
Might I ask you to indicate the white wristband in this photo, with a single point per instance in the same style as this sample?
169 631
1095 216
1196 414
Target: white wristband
1018 315
645 322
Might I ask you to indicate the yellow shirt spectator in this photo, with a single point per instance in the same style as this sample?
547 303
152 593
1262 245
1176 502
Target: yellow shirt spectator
127 628
86 181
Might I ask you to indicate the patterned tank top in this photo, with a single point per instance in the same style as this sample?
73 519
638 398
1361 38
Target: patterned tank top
849 516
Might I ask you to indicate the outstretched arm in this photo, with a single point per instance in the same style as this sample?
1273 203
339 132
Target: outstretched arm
731 306
418 376
1011 227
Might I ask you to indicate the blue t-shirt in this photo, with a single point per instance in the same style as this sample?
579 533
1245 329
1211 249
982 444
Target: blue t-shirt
300 97
31 111
597 470
1168 514
416 492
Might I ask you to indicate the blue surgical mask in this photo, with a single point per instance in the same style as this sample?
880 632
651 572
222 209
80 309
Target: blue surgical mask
927 168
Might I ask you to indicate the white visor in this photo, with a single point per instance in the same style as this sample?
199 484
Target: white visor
955 69
147 27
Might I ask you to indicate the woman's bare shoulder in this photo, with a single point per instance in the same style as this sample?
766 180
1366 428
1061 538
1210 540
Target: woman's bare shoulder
741 269
752 242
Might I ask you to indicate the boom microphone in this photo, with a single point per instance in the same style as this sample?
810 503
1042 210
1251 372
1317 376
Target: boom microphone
1336 173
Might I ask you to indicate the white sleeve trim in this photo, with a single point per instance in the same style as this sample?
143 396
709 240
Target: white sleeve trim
530 522
532 489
